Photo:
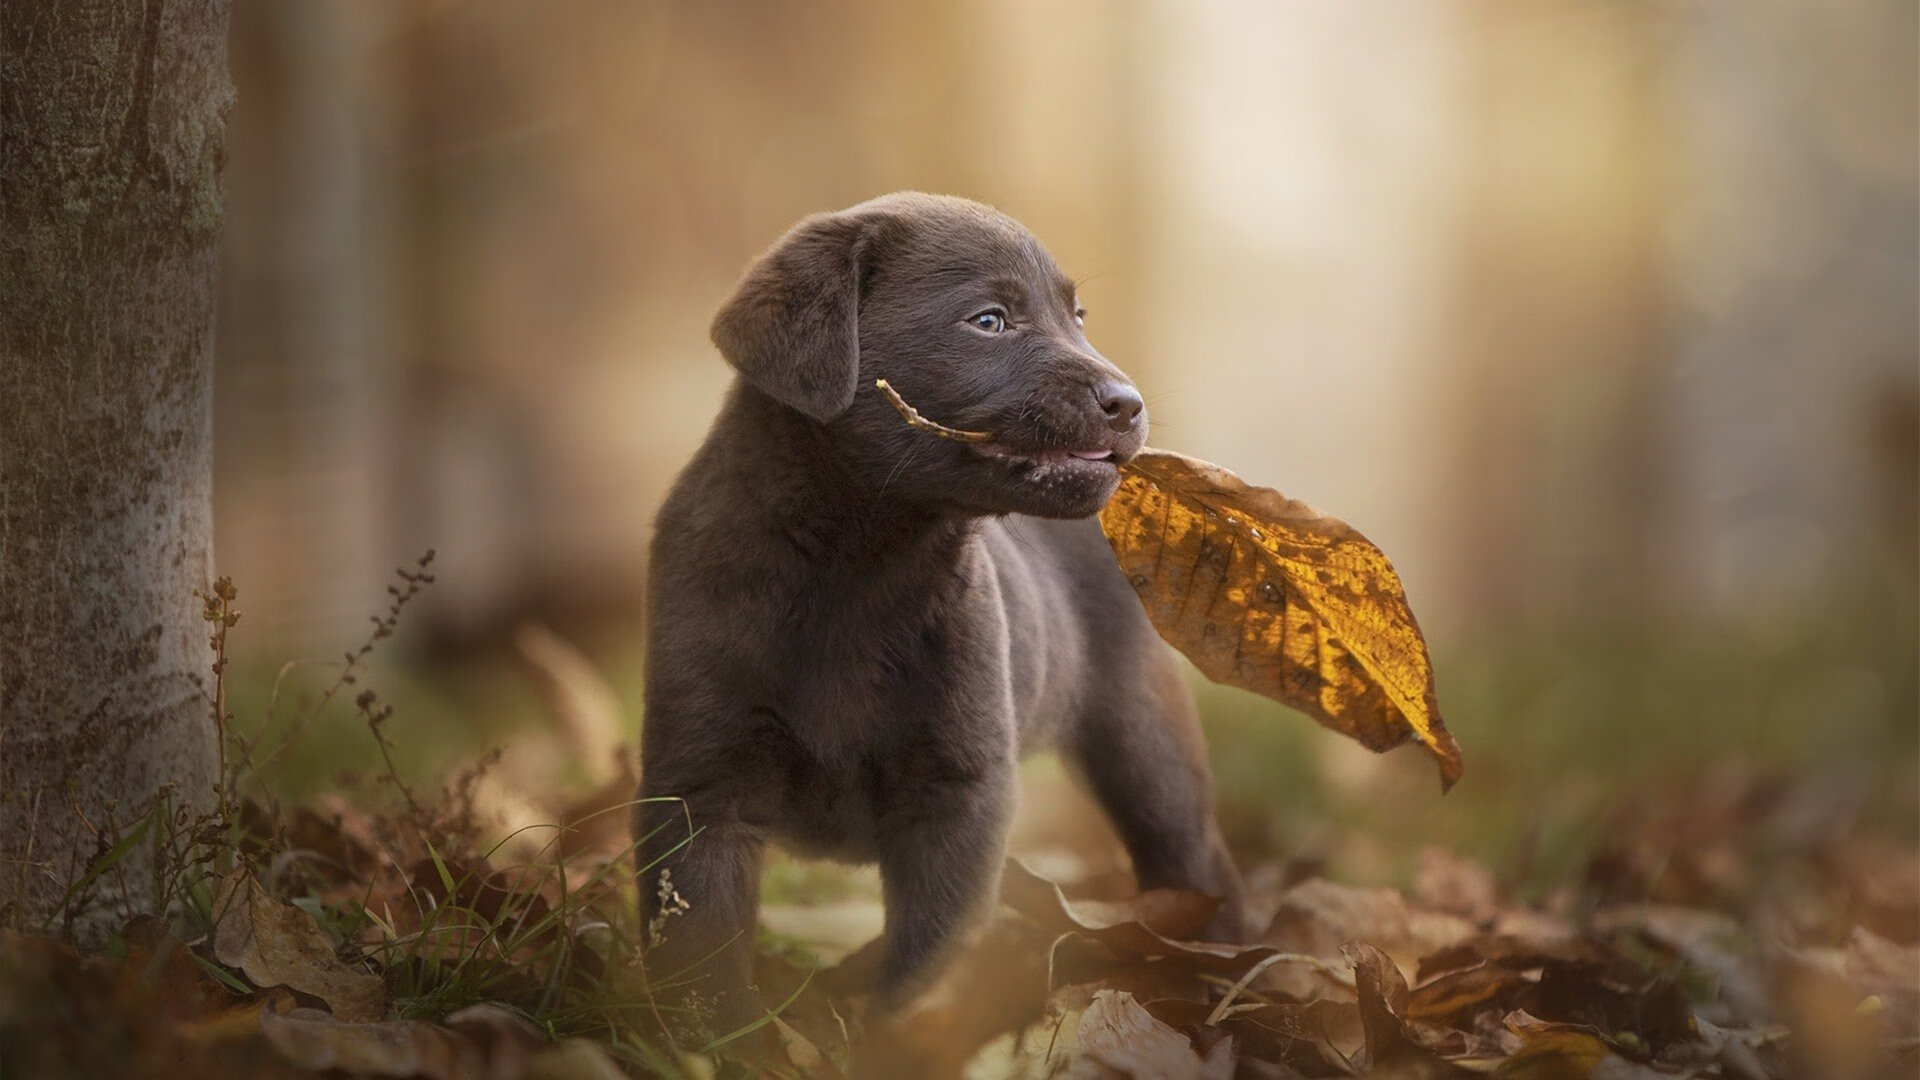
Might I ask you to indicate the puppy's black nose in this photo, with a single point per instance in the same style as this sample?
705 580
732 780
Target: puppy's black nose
1121 403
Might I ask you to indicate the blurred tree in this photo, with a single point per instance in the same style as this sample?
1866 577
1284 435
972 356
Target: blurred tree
111 205
298 396
1564 343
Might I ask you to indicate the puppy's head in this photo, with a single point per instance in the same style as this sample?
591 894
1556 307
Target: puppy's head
966 315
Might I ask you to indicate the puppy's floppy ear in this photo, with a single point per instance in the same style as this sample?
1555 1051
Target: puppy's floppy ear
792 325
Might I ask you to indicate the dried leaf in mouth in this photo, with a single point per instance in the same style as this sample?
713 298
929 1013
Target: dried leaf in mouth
1268 594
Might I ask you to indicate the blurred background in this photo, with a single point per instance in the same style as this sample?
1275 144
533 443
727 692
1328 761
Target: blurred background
1599 317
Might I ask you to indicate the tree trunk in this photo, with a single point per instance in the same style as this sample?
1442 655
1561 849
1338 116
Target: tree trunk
110 214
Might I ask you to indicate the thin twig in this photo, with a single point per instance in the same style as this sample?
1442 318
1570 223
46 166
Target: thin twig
915 420
218 610
1221 1010
415 580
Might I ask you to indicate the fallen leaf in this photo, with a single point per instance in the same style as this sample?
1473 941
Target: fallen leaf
1317 917
1511 952
1165 913
1383 1002
277 944
313 1040
1456 885
1268 594
1456 996
1883 967
1382 989
1711 942
1314 1038
1116 1033
1118 926
505 1040
800 1049
1555 1052
159 969
578 1059
1842 1001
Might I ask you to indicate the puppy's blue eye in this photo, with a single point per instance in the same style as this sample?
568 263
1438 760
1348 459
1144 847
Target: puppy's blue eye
1080 317
991 321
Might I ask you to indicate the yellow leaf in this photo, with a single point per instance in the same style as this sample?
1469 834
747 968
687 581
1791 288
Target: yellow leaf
1268 594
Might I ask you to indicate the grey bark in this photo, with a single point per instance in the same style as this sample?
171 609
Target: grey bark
112 130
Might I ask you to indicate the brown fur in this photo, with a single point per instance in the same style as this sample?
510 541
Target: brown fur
857 628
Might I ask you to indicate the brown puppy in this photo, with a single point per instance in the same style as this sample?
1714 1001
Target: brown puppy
857 628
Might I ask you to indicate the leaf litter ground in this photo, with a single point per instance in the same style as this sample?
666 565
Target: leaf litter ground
1733 925
1716 934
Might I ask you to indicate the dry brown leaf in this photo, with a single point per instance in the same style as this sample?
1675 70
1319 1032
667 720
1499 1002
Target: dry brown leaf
1118 926
505 1040
278 945
800 1049
1318 1038
160 974
1457 996
1118 1035
1883 967
1168 913
1711 942
313 1040
1841 1001
1512 952
1268 594
1456 885
1317 917
579 1059
1558 1052
1382 990
1555 1054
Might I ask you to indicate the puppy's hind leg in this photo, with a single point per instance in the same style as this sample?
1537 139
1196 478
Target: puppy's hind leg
1140 753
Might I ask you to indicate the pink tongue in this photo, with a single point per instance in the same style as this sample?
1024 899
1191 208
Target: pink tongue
1091 455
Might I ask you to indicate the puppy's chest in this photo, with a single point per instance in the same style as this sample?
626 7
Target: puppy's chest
856 674
860 694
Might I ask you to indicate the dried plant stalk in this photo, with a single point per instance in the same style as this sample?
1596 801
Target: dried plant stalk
915 420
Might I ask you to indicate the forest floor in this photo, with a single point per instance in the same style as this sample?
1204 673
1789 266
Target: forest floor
1734 928
1715 917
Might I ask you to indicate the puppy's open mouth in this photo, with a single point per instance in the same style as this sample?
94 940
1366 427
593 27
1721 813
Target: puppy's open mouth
1031 461
1045 457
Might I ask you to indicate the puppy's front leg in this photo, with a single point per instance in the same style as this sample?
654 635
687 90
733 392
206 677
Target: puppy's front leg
698 901
941 848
